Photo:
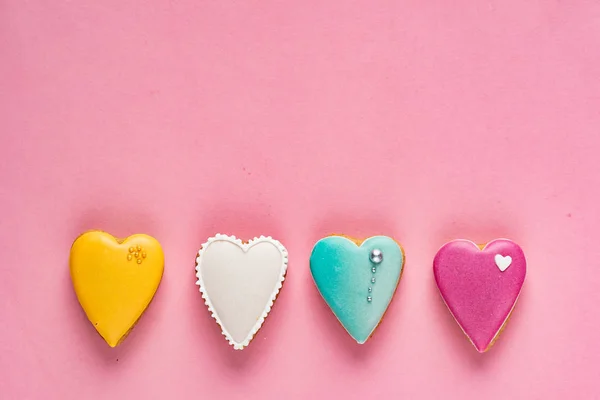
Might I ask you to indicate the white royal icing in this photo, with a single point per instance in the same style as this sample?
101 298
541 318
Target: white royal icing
239 283
503 262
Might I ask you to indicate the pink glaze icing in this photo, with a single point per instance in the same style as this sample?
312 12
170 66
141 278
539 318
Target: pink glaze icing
479 295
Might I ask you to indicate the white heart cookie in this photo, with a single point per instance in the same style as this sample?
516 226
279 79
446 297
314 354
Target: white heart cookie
502 262
239 283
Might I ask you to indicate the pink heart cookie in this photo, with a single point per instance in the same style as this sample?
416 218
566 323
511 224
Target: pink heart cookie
480 286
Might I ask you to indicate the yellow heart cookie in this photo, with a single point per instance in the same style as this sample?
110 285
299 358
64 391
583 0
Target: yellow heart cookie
115 280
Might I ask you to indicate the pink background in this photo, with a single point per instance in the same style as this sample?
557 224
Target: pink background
426 121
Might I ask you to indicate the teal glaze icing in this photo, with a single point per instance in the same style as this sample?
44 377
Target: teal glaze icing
343 273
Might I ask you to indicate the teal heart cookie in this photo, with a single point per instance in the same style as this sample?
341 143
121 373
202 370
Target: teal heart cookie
357 282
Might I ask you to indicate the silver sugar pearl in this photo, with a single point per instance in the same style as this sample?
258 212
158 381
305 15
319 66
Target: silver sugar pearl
373 270
372 280
369 299
370 289
376 256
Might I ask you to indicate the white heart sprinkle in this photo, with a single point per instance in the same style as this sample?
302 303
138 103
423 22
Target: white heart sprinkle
503 262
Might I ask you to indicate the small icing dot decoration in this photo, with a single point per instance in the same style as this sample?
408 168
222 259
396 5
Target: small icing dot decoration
138 253
376 257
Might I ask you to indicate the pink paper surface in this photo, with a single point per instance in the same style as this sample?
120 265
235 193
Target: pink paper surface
425 121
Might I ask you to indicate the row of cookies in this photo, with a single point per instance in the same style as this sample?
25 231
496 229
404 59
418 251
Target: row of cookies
115 281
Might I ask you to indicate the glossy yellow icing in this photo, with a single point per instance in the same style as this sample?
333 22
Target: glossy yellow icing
115 280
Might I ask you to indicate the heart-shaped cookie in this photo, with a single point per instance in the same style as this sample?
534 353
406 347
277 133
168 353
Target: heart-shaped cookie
357 280
480 285
115 280
240 282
